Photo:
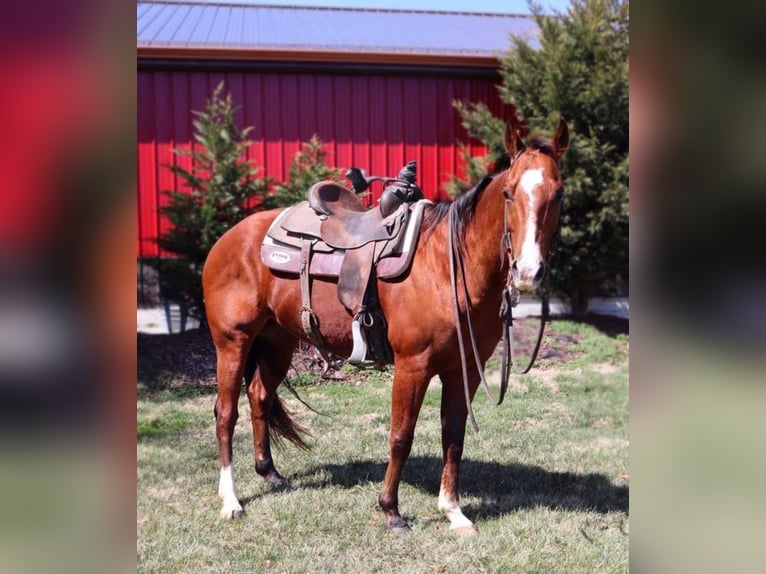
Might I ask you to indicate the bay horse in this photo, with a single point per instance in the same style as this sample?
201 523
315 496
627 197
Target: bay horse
254 317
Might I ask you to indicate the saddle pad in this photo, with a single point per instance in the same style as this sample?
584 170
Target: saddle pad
287 258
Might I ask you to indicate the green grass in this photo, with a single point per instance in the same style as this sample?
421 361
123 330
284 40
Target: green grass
545 479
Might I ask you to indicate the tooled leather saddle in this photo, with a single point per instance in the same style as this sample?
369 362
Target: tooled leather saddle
333 235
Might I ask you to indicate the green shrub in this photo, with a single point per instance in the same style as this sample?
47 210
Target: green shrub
222 189
307 167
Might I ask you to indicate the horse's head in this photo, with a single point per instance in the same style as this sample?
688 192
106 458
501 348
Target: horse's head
533 189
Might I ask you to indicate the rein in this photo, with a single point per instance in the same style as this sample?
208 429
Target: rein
455 264
509 300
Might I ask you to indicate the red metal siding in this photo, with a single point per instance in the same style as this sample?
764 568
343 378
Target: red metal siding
374 122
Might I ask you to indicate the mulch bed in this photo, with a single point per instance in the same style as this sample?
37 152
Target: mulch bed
177 359
187 360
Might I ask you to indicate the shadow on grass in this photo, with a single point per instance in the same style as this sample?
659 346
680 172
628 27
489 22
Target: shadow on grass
176 366
500 488
609 325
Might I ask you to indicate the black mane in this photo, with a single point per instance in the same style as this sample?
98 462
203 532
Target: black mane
464 206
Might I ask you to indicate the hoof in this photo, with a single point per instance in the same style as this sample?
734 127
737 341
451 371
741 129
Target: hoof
465 531
276 480
398 526
232 513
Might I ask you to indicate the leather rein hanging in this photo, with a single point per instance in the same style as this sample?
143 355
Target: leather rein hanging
457 268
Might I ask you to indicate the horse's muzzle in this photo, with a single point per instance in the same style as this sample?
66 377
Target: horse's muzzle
529 276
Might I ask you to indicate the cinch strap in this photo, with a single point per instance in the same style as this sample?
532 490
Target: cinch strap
309 320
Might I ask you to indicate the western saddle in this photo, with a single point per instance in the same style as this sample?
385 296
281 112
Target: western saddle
332 235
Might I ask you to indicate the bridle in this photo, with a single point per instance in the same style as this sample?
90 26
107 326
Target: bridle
510 299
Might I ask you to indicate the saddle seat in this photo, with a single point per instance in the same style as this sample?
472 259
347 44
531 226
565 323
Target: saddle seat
346 223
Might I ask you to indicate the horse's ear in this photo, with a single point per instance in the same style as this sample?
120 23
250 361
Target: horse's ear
561 139
511 137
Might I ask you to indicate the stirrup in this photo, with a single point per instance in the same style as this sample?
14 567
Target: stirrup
359 352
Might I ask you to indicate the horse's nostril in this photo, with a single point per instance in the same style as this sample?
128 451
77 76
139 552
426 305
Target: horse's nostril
540 273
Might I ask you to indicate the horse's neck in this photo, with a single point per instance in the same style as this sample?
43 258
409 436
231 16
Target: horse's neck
485 266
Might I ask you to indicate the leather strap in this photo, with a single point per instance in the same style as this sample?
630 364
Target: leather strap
309 320
455 265
509 359
452 248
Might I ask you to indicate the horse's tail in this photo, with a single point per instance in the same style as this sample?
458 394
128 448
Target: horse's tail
283 427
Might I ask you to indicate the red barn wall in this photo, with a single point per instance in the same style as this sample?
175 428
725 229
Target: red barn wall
374 121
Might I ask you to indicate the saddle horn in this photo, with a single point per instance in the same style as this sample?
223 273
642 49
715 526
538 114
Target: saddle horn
408 173
358 179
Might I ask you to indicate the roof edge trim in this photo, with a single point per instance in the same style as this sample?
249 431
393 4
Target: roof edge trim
317 56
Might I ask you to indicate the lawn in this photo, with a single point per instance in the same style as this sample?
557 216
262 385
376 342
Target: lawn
545 479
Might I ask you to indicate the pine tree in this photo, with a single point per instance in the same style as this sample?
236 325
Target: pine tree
221 190
578 72
308 166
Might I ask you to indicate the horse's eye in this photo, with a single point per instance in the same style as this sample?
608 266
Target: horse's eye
559 194
507 194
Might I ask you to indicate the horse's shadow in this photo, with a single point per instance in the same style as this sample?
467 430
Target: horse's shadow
500 488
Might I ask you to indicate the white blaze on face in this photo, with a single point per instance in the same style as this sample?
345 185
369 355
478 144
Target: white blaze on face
530 259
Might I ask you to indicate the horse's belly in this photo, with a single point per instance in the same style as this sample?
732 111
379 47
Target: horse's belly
334 321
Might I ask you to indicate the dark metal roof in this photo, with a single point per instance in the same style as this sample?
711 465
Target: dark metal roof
210 25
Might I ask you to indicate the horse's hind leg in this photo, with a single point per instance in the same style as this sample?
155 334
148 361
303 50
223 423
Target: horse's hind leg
269 360
231 354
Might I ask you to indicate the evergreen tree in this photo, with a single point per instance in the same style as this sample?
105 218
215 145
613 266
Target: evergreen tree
474 168
578 72
222 189
307 168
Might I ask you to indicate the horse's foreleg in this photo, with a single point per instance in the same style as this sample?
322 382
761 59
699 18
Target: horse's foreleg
231 356
272 354
453 414
409 388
